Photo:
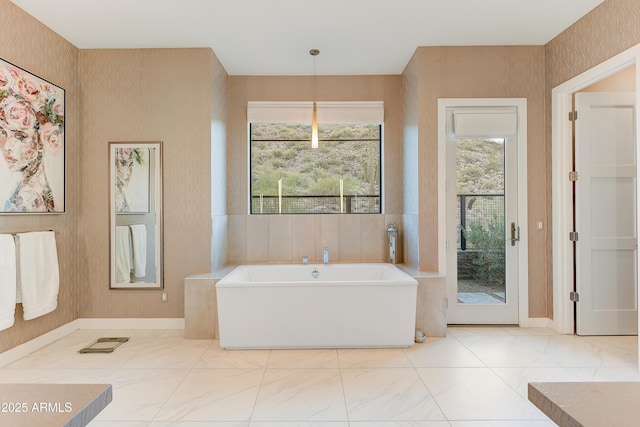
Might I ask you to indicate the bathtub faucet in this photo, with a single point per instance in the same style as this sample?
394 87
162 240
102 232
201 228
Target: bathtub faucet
325 255
392 231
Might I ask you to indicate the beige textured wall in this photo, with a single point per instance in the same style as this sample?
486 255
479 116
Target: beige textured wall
255 238
146 95
32 46
481 72
220 100
622 81
607 30
410 179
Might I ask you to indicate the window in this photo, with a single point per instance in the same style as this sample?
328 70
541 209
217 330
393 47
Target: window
342 175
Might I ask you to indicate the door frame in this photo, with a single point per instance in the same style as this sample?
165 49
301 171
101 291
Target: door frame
562 204
522 217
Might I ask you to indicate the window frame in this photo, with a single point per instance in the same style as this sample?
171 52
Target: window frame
350 112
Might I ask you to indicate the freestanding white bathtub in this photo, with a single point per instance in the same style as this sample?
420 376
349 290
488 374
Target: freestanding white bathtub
316 306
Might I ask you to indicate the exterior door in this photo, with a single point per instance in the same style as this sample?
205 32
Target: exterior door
606 212
482 215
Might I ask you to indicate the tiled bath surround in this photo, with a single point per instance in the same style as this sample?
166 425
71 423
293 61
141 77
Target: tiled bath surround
287 238
201 318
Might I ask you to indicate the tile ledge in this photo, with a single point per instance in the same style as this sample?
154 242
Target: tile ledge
223 271
412 271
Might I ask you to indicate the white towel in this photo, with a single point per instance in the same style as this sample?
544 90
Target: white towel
139 240
123 254
7 281
39 273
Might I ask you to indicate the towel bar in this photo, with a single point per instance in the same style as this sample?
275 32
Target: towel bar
15 233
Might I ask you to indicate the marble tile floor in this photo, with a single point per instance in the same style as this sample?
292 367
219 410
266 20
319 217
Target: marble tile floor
475 377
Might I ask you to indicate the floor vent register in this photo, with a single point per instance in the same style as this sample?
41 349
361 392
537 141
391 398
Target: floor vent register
104 345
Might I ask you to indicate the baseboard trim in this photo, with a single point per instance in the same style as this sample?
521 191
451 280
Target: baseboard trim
540 322
37 343
131 323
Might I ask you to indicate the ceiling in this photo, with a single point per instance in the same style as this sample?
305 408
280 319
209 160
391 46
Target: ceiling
273 37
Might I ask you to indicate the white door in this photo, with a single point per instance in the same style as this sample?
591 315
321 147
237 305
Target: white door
482 215
606 249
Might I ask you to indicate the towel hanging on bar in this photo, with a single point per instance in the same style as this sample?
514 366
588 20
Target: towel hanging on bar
39 273
8 281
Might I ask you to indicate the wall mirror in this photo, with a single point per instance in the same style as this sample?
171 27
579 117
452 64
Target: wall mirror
135 185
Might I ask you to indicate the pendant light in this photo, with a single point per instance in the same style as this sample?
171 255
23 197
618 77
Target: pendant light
314 118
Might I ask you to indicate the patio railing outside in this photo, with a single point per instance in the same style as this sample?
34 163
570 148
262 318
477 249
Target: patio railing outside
481 243
351 204
480 209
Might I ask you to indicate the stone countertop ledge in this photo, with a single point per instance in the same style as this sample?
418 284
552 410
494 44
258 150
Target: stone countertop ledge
226 269
588 404
52 405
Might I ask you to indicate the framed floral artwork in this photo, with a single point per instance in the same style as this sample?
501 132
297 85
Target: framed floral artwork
32 143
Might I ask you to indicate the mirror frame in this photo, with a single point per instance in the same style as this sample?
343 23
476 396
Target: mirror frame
155 176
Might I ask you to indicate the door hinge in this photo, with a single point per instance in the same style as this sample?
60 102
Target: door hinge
573 116
573 176
573 236
515 234
574 296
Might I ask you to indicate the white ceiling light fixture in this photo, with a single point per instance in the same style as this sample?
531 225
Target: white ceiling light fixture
314 117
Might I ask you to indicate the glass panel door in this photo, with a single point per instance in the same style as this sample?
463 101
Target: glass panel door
481 220
482 214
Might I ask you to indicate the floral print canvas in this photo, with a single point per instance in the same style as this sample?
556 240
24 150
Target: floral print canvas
32 175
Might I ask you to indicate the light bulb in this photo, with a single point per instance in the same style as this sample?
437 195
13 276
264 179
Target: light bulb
314 127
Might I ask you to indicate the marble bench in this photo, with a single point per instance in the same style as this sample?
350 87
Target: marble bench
588 404
52 405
